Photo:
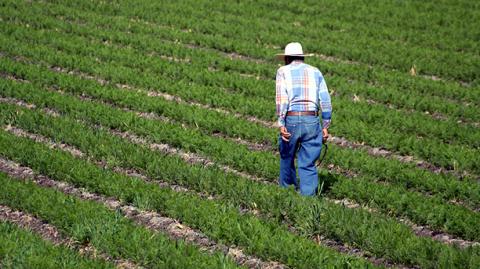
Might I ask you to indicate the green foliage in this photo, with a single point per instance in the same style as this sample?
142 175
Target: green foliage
261 163
20 248
355 226
224 59
92 223
375 124
349 40
218 220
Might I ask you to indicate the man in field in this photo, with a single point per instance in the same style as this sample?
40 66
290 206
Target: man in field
301 92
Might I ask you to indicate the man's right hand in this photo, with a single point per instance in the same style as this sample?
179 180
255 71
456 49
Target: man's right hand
285 134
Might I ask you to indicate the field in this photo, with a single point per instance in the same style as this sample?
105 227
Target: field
141 134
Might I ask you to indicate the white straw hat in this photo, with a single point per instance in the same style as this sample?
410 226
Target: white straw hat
292 49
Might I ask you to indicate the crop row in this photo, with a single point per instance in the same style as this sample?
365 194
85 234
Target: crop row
444 152
241 157
147 41
427 128
148 34
128 99
353 72
211 122
234 45
266 138
404 24
120 30
25 249
108 231
154 221
69 167
236 190
219 221
384 53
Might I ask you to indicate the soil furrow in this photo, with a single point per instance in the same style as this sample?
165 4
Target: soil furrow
103 164
163 95
192 158
255 146
19 132
188 157
47 231
337 245
152 220
339 141
323 57
381 152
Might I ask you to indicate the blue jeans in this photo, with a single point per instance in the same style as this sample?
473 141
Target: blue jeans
306 143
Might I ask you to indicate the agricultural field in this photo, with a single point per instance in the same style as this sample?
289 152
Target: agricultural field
141 134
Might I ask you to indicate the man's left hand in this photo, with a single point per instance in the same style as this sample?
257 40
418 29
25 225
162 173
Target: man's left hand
324 135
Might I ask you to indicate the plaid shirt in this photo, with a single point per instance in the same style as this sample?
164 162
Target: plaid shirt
301 87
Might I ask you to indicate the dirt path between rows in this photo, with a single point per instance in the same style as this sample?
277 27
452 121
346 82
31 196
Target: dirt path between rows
192 158
337 245
154 221
47 231
418 229
339 141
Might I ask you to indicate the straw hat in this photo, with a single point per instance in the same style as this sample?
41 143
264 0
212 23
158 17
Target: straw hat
292 49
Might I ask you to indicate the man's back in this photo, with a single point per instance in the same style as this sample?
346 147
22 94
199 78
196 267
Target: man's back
301 87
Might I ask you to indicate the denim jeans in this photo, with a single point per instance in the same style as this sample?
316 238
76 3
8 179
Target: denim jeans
306 143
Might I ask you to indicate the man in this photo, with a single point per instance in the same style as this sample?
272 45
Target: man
301 92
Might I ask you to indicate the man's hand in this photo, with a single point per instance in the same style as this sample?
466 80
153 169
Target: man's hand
324 135
285 134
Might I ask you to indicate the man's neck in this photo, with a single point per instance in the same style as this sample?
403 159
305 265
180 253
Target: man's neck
297 62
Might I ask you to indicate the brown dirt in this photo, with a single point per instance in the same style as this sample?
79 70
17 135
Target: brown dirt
50 233
188 157
192 158
381 152
374 151
152 220
419 230
115 205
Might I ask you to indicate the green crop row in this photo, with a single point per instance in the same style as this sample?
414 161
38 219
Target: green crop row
257 88
56 164
220 221
237 190
384 53
145 37
361 72
210 122
244 85
223 151
404 24
108 231
445 154
20 248
397 81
